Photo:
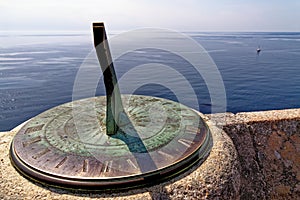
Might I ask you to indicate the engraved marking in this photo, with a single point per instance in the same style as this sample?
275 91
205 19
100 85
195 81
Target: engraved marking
106 167
40 154
186 143
189 117
191 129
32 141
141 124
172 121
34 128
85 165
143 120
131 163
109 166
61 162
165 154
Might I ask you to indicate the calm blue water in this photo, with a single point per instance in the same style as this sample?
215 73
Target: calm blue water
37 71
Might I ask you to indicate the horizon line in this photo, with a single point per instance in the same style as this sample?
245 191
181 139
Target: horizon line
181 31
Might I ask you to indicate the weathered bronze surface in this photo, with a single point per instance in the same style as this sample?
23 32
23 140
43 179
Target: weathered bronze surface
112 142
156 144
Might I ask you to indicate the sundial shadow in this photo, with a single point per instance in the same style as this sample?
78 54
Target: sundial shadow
130 136
149 144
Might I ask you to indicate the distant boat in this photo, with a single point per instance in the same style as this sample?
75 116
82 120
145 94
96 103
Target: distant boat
258 50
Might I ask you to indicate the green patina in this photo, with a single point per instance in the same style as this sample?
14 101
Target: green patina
110 141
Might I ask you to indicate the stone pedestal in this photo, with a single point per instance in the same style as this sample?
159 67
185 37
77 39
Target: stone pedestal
217 177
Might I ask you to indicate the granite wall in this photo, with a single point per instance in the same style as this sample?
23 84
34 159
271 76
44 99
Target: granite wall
268 147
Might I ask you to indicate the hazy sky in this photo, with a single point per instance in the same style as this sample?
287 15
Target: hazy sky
184 15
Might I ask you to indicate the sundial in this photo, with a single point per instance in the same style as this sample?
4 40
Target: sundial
110 142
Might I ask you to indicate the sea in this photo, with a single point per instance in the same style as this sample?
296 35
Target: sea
38 71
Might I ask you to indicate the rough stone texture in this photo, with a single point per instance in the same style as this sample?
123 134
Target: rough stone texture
265 166
216 178
268 146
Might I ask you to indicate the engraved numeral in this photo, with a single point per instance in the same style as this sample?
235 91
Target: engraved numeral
186 143
106 167
34 128
165 154
85 165
40 154
131 163
32 141
191 129
61 162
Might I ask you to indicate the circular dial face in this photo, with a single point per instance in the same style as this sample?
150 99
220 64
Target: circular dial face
69 145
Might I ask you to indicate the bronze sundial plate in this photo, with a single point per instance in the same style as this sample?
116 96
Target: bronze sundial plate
67 146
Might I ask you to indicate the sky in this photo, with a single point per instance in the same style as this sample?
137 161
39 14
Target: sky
180 15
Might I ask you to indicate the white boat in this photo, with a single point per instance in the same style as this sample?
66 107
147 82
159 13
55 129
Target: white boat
258 50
